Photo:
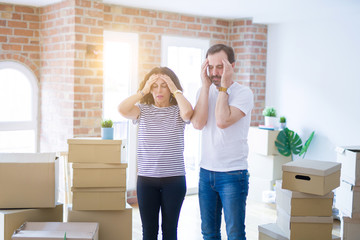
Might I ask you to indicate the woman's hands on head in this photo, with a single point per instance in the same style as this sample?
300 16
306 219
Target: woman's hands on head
155 77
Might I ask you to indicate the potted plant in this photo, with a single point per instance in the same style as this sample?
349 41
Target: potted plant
107 130
282 122
270 116
289 143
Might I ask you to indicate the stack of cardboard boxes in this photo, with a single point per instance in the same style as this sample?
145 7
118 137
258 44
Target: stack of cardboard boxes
304 202
99 186
264 163
348 194
28 190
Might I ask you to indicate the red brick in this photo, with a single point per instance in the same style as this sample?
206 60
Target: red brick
162 23
187 19
31 48
130 11
2 23
81 29
15 24
178 25
148 13
156 30
6 8
204 34
24 9
23 32
34 18
3 39
194 26
260 37
16 16
82 89
11 47
122 19
222 23
92 13
18 40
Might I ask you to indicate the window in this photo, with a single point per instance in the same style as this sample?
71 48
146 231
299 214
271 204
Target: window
120 81
185 56
19 107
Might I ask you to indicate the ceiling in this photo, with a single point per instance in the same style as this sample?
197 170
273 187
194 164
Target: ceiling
262 11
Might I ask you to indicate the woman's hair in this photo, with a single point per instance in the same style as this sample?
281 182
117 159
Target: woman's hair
221 47
148 98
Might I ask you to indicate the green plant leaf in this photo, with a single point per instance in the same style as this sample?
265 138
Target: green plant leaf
306 145
288 142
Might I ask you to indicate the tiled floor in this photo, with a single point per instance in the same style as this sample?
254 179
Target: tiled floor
189 223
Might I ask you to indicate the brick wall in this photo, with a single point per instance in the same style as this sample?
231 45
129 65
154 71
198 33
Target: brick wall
19 35
57 75
53 40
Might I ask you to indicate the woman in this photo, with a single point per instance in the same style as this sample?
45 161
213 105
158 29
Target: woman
161 114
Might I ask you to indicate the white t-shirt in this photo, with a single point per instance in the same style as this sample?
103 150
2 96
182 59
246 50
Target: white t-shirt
227 149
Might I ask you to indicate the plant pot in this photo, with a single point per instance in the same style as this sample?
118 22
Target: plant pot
282 126
107 133
271 121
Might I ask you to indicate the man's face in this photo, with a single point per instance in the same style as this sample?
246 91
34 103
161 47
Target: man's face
216 67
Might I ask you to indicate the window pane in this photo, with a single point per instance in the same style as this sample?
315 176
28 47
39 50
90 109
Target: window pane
17 141
15 96
117 77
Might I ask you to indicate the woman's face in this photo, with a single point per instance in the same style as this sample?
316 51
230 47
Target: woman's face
160 92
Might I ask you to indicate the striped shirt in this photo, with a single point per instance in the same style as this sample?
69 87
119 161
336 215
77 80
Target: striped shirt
160 141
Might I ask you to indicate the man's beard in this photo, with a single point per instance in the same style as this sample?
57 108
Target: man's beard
216 82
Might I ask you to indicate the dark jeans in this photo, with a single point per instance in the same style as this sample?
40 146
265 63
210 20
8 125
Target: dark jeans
166 194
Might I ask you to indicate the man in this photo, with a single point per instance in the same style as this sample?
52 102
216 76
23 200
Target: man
223 112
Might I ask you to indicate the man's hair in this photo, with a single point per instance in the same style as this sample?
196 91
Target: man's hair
221 47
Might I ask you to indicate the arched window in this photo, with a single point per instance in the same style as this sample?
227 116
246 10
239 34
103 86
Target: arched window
18 108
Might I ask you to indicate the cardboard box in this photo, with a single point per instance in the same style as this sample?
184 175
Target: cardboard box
349 157
10 220
267 167
57 230
348 199
350 228
96 150
257 186
262 141
308 176
99 174
113 225
272 232
301 228
98 198
28 180
303 204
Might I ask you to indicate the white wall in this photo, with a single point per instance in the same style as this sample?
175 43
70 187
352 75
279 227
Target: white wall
313 78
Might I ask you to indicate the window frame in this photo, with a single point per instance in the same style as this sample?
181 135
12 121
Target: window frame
33 124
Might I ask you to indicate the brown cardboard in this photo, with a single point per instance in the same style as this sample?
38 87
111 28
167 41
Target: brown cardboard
262 141
266 167
348 199
319 228
96 150
113 225
57 230
272 232
98 198
99 174
350 228
10 220
28 180
349 157
303 204
308 176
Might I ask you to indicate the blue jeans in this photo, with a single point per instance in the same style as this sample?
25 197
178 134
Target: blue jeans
218 190
166 194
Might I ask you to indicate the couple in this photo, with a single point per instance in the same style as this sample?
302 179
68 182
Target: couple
223 112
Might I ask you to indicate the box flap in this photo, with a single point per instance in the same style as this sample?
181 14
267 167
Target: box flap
27 157
99 165
294 194
56 230
95 141
98 189
44 234
273 231
312 219
312 167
